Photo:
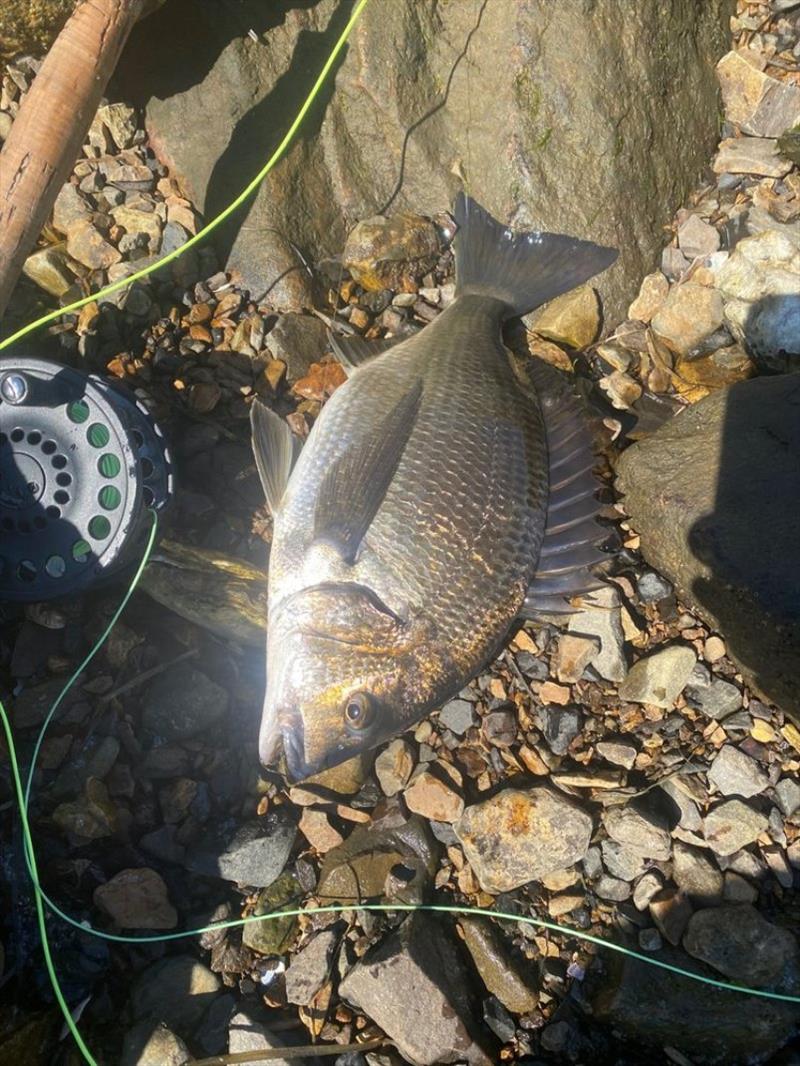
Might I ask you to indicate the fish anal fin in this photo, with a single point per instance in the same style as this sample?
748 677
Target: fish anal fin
353 352
356 483
275 450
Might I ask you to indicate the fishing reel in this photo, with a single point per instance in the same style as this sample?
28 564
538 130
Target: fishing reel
81 462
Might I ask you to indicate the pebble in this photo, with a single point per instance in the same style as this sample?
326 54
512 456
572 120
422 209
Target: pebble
501 974
696 875
712 696
757 103
177 990
86 244
245 1033
602 620
613 889
250 854
652 293
520 835
621 861
778 865
646 888
431 796
276 936
787 792
740 944
48 269
690 313
153 1044
68 208
310 967
120 121
138 222
458 716
498 1019
394 766
697 238
318 831
736 774
751 155
641 830
671 910
560 726
618 753
732 825
183 702
137 899
659 678
652 587
714 649
574 654
650 940
621 389
500 728
550 692
298 341
738 889
572 319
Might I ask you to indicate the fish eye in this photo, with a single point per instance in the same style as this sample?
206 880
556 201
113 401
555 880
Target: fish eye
359 711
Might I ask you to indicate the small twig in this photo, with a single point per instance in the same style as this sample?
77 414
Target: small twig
146 675
518 674
305 1051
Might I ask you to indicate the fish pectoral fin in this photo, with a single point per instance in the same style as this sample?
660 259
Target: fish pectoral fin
356 483
275 450
352 352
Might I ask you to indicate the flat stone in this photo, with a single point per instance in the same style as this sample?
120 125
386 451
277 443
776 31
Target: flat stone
458 716
69 207
697 875
177 990
690 313
153 1044
560 726
247 1034
602 620
572 319
712 696
641 830
310 968
732 825
432 796
318 831
736 774
48 269
414 987
298 341
137 899
621 861
250 854
618 753
520 835
751 155
394 766
503 976
671 910
740 944
86 244
574 655
659 677
652 293
182 703
614 889
756 102
697 238
120 121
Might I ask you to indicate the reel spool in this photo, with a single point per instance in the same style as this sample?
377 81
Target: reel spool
81 461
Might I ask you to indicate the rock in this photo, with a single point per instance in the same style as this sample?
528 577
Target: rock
725 366
299 341
383 253
137 899
757 103
90 817
318 831
659 678
690 313
732 825
652 587
182 703
560 726
696 875
500 728
714 649
613 889
778 862
520 835
31 28
622 861
640 829
787 792
177 990
276 936
344 779
48 269
393 766
706 492
85 244
617 753
69 207
751 155
153 1044
498 1019
310 968
738 889
501 974
646 889
621 389
127 172
431 795
414 986
652 293
572 319
736 774
458 715
517 167
246 1034
136 222
697 238
250 854
574 655
120 121
662 1008
602 620
740 944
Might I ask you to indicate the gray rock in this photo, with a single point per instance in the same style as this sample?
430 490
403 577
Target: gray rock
650 940
177 990
659 677
602 620
183 702
617 753
646 888
252 854
500 728
394 765
652 587
560 726
737 889
153 1044
612 888
520 835
69 207
518 166
756 102
671 910
787 791
640 829
414 986
621 861
751 155
247 1034
712 696
740 944
696 874
498 1019
310 968
707 492
697 238
458 715
736 774
299 340
512 983
732 825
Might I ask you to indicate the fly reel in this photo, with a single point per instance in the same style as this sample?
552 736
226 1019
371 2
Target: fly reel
81 462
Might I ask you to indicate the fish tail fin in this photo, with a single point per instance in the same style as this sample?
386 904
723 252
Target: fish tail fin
523 270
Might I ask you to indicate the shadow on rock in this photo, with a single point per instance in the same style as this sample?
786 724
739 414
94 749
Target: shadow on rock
771 333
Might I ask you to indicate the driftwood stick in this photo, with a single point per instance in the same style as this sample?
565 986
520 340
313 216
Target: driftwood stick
52 123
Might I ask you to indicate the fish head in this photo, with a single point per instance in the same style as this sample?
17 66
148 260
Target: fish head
343 675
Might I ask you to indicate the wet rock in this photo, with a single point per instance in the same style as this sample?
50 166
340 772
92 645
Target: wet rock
706 492
696 875
177 990
742 945
299 341
560 726
137 899
247 1034
602 620
393 766
48 269
690 313
310 968
503 976
652 293
458 715
276 936
153 1044
383 253
640 829
414 986
250 854
736 774
572 319
520 835
183 702
659 678
86 244
432 795
751 155
757 103
618 753
732 825
574 655
318 831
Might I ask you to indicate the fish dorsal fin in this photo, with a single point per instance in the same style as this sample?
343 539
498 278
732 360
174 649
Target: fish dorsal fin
356 483
352 352
275 450
570 548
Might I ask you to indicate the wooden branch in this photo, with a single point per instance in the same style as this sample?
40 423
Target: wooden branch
52 124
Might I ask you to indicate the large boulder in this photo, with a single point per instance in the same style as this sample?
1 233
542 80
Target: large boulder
591 119
714 494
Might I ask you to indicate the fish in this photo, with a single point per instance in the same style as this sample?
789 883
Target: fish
442 496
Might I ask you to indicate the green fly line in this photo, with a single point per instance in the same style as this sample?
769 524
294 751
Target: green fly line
23 792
